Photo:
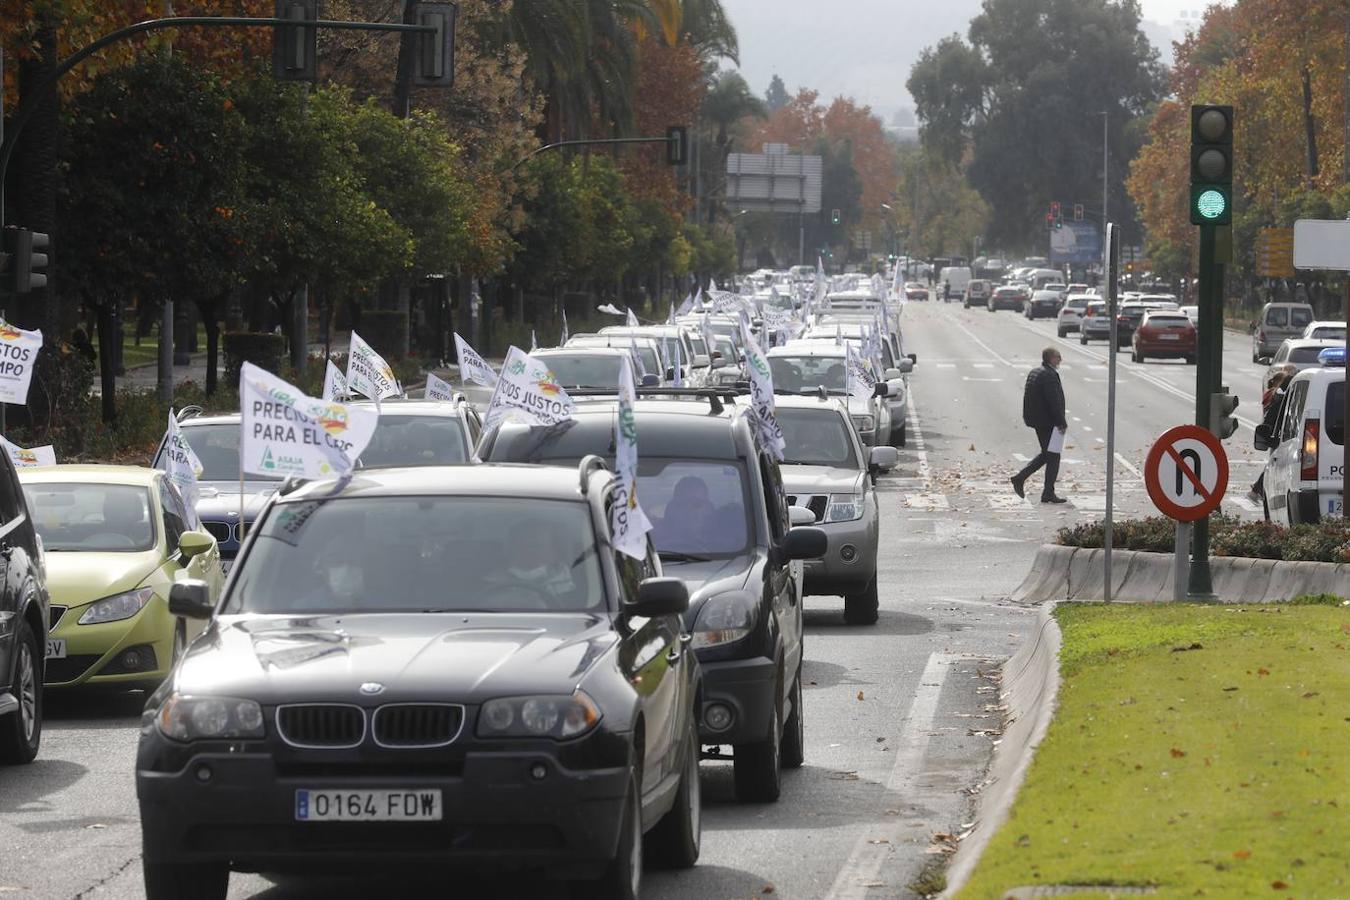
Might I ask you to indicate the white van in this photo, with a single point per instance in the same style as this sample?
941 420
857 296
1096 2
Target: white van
958 277
1303 475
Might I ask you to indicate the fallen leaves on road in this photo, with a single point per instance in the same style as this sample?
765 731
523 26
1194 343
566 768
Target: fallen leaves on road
860 695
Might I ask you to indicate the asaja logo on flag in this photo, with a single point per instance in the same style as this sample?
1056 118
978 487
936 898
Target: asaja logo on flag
333 418
9 333
549 388
28 457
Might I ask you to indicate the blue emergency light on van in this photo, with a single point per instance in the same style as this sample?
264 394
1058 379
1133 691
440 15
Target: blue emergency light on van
1332 356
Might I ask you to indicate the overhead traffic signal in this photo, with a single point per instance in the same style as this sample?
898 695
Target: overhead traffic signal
295 48
24 267
1211 165
1221 407
835 217
1078 212
677 145
434 64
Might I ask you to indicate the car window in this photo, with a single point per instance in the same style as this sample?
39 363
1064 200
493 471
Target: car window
1169 321
696 506
1328 333
1281 354
411 440
1304 354
421 554
173 512
1277 317
817 438
583 371
775 498
217 448
10 494
802 374
102 518
1334 414
1293 411
1299 317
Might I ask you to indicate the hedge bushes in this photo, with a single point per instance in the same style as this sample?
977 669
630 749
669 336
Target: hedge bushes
263 349
1327 541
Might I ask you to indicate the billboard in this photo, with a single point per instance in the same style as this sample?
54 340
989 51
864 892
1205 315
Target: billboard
774 181
1076 242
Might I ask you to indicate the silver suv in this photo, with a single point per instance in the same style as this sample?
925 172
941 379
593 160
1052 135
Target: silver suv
829 473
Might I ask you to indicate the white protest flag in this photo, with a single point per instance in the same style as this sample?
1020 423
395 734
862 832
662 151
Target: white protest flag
368 373
473 367
610 309
670 319
895 279
839 335
18 355
642 370
698 299
562 341
528 392
334 383
861 384
712 285
761 395
438 388
819 288
709 337
285 432
534 341
677 363
632 318
183 468
687 306
628 522
28 457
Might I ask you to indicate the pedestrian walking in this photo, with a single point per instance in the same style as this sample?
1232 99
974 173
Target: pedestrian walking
1043 410
946 291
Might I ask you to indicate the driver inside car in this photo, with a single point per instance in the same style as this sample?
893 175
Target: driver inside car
540 562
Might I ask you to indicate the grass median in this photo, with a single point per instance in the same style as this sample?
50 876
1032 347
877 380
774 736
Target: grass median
1198 750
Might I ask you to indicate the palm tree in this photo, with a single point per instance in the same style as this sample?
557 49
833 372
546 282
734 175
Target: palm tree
728 101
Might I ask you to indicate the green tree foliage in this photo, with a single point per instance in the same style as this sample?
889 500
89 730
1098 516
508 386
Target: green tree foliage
1024 100
777 96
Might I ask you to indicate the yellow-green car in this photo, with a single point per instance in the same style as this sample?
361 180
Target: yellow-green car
115 542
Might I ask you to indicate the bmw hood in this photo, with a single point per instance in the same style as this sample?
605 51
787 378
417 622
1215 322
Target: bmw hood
465 657
803 481
219 501
75 578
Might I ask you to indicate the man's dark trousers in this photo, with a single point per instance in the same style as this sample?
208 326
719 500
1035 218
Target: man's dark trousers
1044 458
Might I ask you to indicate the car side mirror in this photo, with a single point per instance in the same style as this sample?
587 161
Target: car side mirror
670 373
805 543
191 599
800 515
883 458
1265 437
660 597
651 379
718 360
913 358
881 389
701 361
194 543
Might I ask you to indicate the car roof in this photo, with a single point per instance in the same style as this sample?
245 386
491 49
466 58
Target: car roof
1086 297
413 406
832 402
1288 303
1326 323
1320 373
602 352
487 479
97 474
1300 343
1171 313
809 348
689 427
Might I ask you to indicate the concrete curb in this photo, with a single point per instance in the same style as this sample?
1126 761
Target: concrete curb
1030 690
1075 573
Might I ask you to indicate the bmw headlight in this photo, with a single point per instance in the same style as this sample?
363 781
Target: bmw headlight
116 607
185 718
725 618
864 423
546 715
844 508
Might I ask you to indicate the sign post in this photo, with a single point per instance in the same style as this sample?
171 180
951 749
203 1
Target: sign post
1112 271
1325 244
1186 474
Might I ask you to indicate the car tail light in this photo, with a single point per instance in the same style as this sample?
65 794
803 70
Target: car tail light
1308 458
1261 336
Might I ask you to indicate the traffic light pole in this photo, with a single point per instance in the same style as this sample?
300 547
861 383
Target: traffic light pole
1209 361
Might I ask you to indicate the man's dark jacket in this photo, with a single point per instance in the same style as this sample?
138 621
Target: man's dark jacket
1043 399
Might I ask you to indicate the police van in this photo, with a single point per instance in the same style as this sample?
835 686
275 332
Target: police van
1303 475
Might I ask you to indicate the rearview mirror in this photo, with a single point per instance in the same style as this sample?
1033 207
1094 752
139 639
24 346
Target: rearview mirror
883 457
660 597
191 599
800 515
194 543
805 543
651 379
882 389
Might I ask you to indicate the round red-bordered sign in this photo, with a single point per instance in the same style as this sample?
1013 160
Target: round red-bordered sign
1186 473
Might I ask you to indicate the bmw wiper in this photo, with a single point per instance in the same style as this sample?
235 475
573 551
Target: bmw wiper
677 556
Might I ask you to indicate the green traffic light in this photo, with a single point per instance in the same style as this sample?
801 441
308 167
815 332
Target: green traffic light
1211 204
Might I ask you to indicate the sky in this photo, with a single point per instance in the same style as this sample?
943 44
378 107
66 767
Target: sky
864 48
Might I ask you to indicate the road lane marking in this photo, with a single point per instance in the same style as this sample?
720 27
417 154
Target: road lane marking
1243 503
1126 463
987 349
869 854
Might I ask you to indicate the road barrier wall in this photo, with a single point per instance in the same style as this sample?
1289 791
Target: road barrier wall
1078 573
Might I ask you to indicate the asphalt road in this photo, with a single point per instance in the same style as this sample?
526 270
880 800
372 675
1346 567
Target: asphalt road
900 717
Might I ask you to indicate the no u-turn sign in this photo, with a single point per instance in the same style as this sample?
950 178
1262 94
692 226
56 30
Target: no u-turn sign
1186 473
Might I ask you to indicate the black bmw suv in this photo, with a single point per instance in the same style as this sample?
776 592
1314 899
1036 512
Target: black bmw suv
24 612
444 665
720 522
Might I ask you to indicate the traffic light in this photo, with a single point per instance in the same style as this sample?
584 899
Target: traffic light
835 217
1078 212
1055 209
1049 220
1221 407
295 48
435 59
1211 165
23 264
677 145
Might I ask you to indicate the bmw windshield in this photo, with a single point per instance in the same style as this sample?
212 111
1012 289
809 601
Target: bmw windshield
805 374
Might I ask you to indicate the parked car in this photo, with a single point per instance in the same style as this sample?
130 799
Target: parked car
721 522
24 608
646 350
1306 446
828 471
536 709
1276 323
1163 334
1070 317
1043 304
1008 297
590 367
116 543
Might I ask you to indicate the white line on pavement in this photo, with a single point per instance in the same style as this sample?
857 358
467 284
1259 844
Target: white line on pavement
987 349
870 852
1126 463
